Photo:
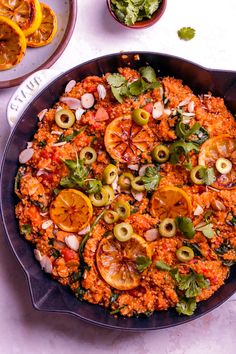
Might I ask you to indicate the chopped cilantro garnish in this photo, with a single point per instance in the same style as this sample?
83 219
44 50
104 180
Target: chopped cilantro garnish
131 11
186 306
151 178
142 263
121 88
186 33
207 175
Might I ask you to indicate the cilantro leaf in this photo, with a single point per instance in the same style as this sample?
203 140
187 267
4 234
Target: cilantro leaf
162 266
116 80
186 33
151 178
77 175
148 74
207 230
92 186
181 148
207 175
131 11
185 226
142 263
25 229
121 88
186 306
191 283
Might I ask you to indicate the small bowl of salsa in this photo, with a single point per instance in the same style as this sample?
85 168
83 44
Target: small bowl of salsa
142 14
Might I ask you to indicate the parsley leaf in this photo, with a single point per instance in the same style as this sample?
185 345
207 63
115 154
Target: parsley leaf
185 226
207 175
142 263
186 306
151 178
194 246
200 136
70 137
186 33
148 74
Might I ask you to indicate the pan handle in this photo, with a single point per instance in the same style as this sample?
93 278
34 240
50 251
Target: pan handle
26 92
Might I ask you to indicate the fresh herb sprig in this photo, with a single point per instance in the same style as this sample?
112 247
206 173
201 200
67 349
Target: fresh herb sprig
121 88
151 178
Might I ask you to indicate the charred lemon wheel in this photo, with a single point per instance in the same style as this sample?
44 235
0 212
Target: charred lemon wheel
126 141
222 146
46 31
12 44
116 261
26 13
169 202
71 210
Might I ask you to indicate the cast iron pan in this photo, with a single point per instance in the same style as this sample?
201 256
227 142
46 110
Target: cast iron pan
47 294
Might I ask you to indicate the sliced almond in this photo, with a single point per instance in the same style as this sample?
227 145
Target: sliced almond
101 92
60 144
41 172
71 102
26 155
42 114
84 231
137 195
79 112
217 205
133 167
29 144
158 110
46 224
191 106
37 255
56 132
70 86
198 211
184 102
151 235
87 100
72 242
46 264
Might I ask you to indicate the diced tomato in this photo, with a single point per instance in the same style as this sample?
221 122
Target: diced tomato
148 107
101 115
68 254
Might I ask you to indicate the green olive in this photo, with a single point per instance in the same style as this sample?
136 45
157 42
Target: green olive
111 194
160 153
194 175
184 254
125 180
140 116
123 209
137 184
109 174
110 217
123 231
88 154
167 227
223 165
65 118
99 199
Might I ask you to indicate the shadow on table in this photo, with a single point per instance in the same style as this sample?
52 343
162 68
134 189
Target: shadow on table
44 322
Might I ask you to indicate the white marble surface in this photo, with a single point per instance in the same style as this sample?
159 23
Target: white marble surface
24 330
